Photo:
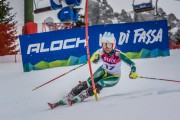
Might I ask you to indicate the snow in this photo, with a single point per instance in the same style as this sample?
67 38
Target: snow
10 58
174 30
141 99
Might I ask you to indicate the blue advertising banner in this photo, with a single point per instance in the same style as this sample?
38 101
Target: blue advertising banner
67 47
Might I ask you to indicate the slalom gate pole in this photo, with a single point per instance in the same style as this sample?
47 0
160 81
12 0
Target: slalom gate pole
159 79
87 50
60 76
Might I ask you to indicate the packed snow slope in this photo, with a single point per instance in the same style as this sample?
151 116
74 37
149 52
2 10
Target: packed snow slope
139 99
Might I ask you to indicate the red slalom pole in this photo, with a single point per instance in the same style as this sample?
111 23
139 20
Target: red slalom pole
87 50
160 79
59 76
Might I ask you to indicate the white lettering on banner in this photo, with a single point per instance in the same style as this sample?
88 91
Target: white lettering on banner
42 49
78 41
141 36
66 46
33 48
56 45
147 37
123 37
59 47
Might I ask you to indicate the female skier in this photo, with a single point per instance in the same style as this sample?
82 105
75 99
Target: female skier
107 75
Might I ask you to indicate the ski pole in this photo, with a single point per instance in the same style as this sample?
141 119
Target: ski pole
159 79
60 76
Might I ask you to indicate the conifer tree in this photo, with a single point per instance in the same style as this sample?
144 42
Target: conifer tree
8 29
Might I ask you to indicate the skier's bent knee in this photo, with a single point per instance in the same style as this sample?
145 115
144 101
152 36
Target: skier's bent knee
79 88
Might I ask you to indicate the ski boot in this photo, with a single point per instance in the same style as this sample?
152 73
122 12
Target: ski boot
79 88
83 95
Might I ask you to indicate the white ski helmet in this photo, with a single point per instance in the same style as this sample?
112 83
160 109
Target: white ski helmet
108 37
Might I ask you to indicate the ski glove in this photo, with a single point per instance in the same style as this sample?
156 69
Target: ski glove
133 75
96 58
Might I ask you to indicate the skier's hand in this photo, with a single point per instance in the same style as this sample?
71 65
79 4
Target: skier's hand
96 58
133 75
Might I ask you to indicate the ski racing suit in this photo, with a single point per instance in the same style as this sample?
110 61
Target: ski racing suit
107 75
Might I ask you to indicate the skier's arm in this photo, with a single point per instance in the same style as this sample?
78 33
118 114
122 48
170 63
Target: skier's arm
128 62
133 74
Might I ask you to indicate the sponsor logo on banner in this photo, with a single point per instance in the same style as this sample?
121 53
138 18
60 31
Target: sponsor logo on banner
141 36
55 45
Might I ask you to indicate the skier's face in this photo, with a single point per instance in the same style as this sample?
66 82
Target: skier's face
107 47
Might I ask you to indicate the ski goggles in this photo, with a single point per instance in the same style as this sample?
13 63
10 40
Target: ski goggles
108 45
